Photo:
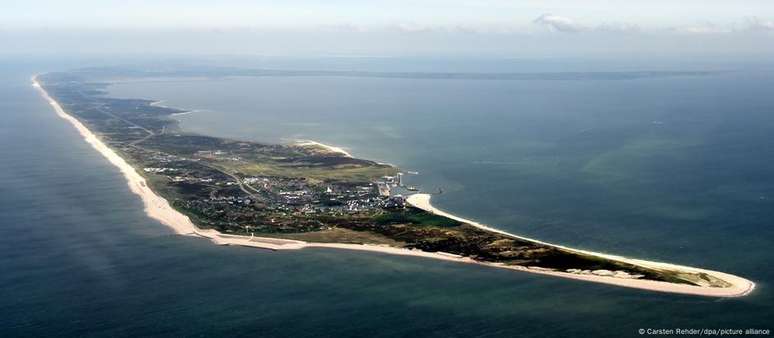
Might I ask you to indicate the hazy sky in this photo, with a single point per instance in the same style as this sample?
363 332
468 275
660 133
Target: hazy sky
526 28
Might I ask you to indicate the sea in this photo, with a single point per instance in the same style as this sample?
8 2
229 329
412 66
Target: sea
666 168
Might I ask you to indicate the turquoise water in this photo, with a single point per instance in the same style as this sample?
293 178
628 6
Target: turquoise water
677 169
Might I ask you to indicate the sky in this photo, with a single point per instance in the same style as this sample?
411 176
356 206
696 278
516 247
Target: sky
488 28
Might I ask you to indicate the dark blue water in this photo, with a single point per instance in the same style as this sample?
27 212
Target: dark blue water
580 163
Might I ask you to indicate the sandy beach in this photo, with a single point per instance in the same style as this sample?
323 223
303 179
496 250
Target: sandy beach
327 147
159 209
740 286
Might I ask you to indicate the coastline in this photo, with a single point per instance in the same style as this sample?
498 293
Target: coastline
159 209
330 148
741 286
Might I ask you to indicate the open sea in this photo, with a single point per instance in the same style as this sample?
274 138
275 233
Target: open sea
678 169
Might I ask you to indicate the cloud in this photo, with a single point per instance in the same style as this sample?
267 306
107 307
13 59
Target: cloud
750 25
756 24
560 23
564 24
412 27
618 27
569 25
703 28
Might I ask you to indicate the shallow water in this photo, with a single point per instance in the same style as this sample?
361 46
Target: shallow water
578 163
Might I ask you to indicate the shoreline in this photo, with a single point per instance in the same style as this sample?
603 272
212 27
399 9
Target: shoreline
158 208
741 286
330 148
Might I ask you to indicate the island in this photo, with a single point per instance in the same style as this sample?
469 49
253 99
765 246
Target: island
307 194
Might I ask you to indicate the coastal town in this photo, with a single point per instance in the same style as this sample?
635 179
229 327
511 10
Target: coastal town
230 202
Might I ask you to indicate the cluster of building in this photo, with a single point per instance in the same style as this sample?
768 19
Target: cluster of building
158 170
322 198
279 202
217 155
